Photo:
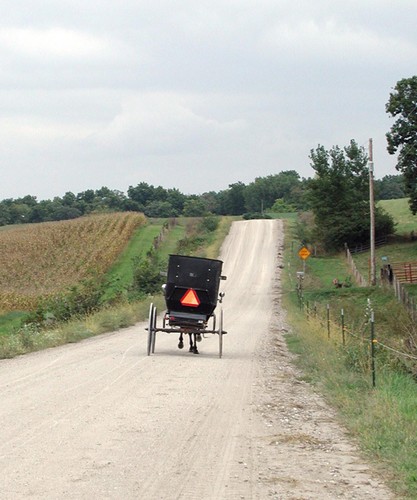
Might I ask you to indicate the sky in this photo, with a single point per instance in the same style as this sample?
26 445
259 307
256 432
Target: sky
192 94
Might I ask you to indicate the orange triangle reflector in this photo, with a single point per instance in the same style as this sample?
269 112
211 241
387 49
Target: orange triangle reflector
190 298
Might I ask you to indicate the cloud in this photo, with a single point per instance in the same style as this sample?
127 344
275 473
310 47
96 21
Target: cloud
330 41
195 94
163 123
55 42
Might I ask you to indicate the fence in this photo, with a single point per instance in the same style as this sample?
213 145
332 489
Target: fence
336 329
367 246
165 229
398 275
360 280
405 272
404 297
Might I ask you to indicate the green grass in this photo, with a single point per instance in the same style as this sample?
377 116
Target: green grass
212 251
11 321
15 340
321 271
383 419
120 275
400 211
171 240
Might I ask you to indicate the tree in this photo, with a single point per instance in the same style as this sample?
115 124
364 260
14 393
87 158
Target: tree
390 187
4 213
339 196
69 199
232 200
281 207
159 209
262 193
194 207
402 137
176 199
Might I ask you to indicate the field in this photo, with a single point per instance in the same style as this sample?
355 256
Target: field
40 260
400 211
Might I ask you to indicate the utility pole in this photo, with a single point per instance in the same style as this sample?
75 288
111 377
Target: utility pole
372 212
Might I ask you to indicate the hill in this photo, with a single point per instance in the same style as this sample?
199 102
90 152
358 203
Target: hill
40 260
400 211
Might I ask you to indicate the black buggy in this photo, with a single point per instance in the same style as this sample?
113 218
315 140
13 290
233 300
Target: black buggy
191 295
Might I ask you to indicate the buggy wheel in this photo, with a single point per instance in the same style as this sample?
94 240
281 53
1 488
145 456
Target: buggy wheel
154 328
221 333
151 332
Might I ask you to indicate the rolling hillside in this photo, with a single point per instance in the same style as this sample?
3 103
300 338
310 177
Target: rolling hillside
40 260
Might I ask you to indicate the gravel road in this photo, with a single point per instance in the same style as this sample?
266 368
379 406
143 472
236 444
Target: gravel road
102 419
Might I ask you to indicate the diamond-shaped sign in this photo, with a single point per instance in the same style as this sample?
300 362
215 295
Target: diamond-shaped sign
304 253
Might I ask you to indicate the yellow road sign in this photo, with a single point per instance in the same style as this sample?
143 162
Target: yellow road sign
304 253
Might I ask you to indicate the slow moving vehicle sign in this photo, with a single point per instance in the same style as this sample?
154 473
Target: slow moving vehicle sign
190 298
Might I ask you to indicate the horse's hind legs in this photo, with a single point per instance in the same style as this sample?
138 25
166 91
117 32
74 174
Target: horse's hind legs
181 342
193 345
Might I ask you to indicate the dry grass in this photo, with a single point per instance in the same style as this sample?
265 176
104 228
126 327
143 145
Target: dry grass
39 260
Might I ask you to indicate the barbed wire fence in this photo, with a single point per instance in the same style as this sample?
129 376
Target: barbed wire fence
334 325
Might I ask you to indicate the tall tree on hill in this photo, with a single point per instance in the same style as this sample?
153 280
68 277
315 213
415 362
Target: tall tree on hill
264 191
232 200
339 197
402 137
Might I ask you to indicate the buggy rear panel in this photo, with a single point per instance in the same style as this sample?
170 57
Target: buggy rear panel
192 285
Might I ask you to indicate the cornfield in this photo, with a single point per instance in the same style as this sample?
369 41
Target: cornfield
39 260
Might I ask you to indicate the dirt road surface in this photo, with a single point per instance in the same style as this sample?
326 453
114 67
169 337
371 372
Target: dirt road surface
100 419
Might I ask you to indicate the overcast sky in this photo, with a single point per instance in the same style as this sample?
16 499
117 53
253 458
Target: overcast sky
192 94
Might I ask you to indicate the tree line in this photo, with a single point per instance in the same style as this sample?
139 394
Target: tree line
334 203
282 192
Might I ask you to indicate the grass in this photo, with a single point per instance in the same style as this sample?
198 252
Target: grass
15 340
213 249
383 419
10 321
400 211
121 273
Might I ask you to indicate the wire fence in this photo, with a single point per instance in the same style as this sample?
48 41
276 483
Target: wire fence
395 276
336 328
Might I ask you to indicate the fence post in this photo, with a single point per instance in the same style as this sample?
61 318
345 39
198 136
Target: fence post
328 320
300 277
373 342
343 325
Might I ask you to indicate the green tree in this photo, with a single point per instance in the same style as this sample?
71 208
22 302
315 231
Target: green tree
69 199
4 213
390 187
194 207
262 193
160 209
281 207
402 137
176 199
339 197
232 200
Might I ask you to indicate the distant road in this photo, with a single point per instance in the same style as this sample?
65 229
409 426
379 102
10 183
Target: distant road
100 419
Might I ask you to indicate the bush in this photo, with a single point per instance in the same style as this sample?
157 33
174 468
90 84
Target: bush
255 215
78 300
210 223
147 278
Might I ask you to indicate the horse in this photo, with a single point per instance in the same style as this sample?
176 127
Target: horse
193 344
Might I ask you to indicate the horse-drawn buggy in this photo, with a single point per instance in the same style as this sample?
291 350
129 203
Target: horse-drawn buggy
191 296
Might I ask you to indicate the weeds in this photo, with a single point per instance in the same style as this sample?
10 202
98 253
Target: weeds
383 418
